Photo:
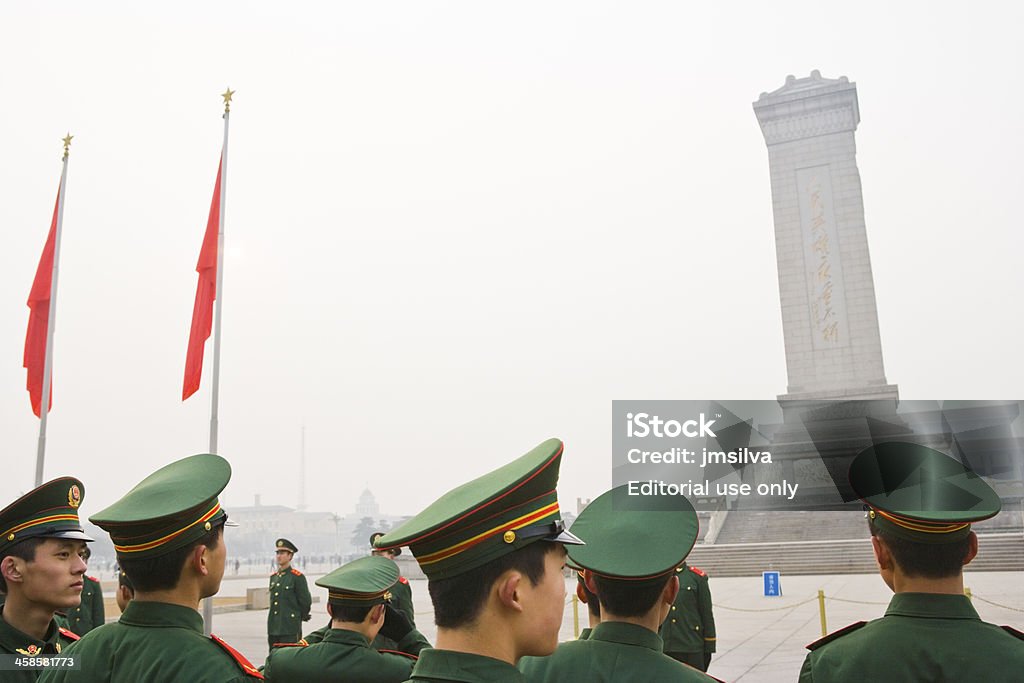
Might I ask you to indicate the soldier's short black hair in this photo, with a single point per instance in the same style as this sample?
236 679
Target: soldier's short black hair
164 572
927 560
629 598
25 550
459 599
347 613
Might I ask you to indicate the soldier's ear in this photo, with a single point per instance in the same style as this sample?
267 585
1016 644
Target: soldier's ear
197 558
668 595
11 569
507 589
972 547
882 555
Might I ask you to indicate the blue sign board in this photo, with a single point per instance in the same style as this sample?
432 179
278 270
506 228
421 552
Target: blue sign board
772 587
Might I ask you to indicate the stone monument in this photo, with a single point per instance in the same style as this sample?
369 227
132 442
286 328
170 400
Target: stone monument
829 316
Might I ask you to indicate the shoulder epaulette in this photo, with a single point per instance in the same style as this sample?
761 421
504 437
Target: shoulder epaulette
296 572
698 571
93 578
402 579
273 574
238 657
301 643
836 634
399 652
70 635
1013 632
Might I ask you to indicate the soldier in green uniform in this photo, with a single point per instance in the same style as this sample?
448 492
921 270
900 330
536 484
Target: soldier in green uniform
689 630
629 561
401 594
921 504
359 603
497 589
89 614
290 600
41 571
168 533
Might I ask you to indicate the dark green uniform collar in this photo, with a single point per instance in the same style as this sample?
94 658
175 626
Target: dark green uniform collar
161 614
627 634
346 637
14 641
447 665
931 606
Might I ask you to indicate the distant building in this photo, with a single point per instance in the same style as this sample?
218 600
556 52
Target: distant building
315 533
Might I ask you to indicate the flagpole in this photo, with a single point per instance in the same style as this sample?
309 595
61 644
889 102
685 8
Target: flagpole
215 393
51 322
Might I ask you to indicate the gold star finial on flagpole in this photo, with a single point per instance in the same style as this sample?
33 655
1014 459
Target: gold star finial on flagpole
227 99
67 144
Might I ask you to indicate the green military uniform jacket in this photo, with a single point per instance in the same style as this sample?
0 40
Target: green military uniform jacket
922 637
690 625
14 642
290 603
314 637
616 652
447 666
341 656
585 633
89 614
154 642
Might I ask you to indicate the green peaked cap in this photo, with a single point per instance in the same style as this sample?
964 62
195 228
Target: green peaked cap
361 583
920 494
491 516
627 539
47 511
174 506
285 544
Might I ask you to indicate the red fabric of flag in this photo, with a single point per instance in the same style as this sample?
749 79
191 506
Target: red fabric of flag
39 321
206 293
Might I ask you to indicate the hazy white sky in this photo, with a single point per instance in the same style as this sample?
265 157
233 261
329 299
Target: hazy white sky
455 229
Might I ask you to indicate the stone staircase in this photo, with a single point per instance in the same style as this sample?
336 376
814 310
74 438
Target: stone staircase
788 526
997 552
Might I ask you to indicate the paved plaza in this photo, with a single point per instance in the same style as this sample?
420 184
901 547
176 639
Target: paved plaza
760 640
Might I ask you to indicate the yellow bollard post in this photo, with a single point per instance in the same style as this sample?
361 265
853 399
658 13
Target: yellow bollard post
821 611
575 616
967 592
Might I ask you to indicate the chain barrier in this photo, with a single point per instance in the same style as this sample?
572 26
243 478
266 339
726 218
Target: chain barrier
996 604
766 609
975 596
856 602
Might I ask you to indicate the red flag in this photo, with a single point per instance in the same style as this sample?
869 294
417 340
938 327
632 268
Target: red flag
206 293
39 320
